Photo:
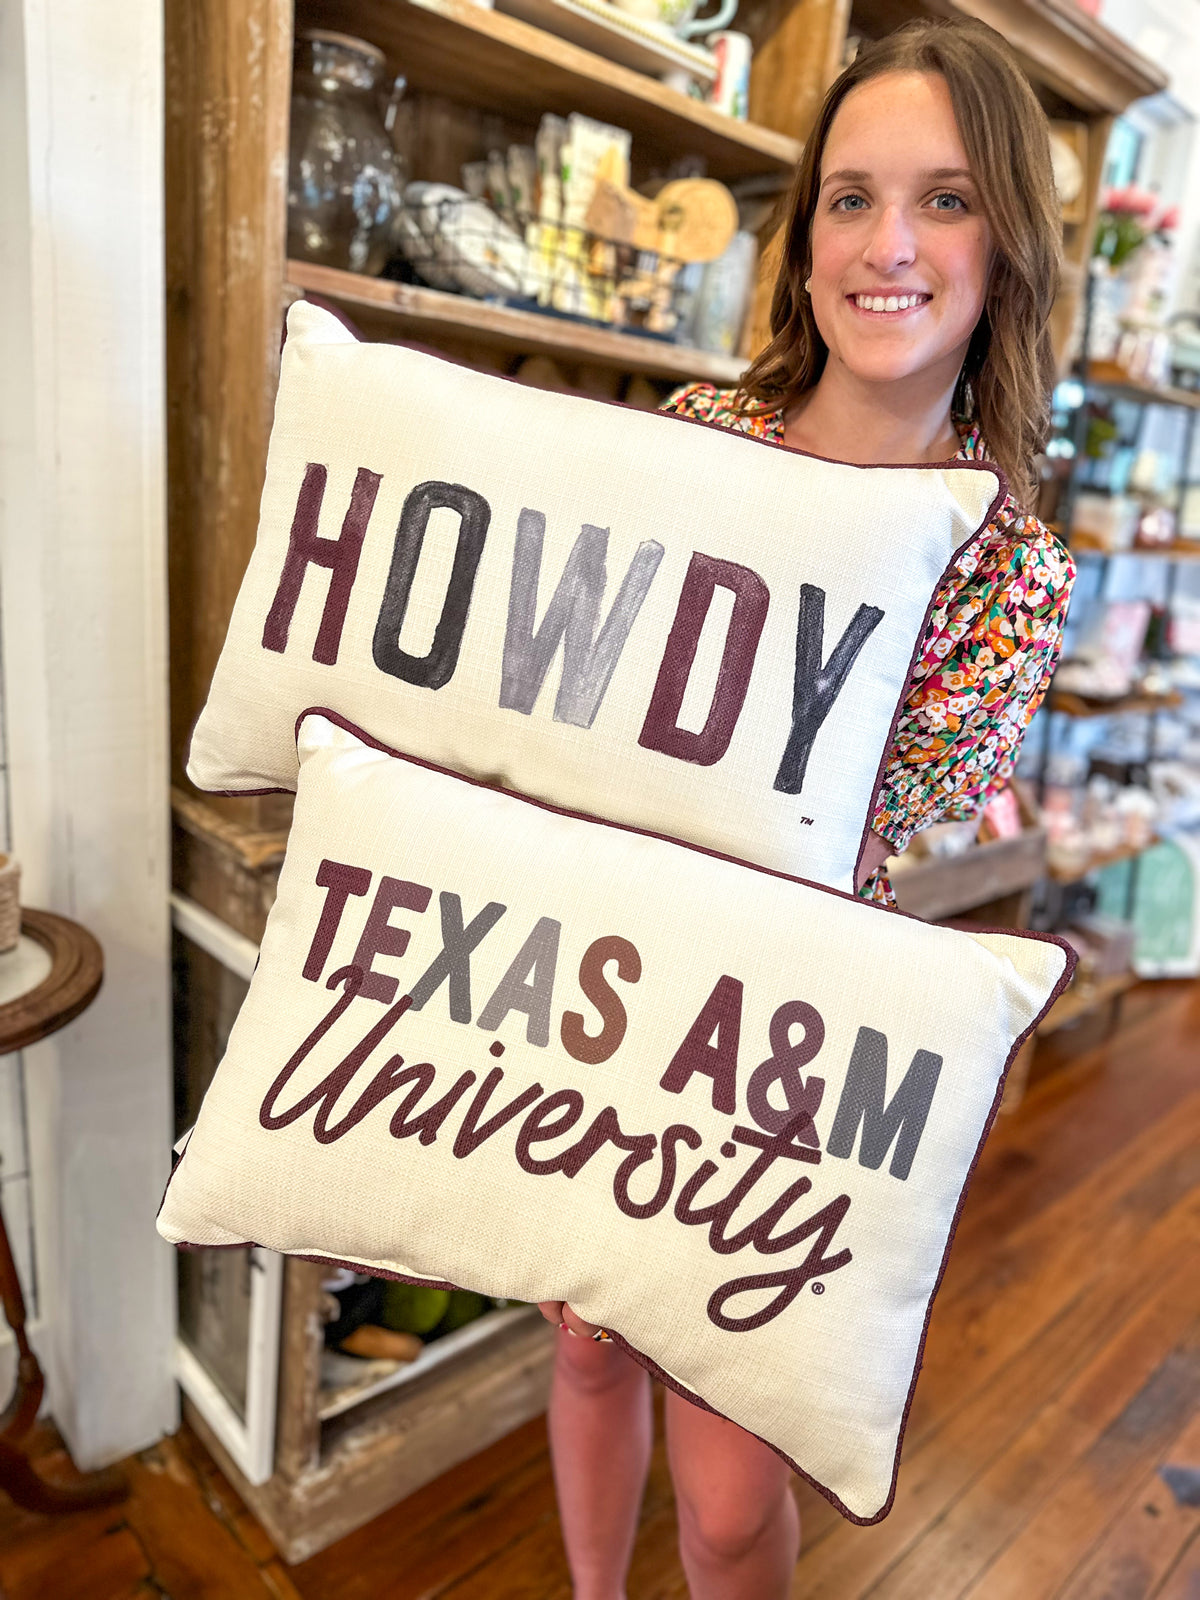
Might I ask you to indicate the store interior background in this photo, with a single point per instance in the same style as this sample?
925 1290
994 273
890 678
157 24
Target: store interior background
86 744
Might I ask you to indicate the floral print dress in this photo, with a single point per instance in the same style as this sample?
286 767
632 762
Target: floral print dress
989 652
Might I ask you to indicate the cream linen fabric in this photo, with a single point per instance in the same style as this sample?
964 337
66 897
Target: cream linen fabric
638 516
826 1380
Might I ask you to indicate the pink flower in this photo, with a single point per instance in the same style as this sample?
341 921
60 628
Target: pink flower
1129 201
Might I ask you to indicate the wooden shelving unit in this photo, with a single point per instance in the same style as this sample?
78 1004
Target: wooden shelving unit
1095 863
468 53
402 310
1178 550
1078 1001
476 78
1107 375
1078 705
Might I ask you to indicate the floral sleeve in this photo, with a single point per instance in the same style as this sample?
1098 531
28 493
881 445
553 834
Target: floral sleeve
985 665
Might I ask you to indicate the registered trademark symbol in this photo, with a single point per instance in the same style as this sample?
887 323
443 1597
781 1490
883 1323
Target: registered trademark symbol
818 1288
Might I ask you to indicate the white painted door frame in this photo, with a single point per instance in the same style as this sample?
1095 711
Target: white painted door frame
83 591
250 1436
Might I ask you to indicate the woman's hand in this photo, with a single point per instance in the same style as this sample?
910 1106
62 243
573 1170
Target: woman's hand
558 1312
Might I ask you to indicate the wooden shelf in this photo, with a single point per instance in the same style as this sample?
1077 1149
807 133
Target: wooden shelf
946 886
1057 43
1094 863
1077 1002
379 1377
1077 705
384 307
1179 550
649 47
480 57
1107 375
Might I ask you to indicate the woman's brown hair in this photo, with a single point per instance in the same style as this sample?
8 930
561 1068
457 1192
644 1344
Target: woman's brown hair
1008 373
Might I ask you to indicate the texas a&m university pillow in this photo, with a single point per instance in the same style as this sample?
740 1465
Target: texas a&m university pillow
631 614
726 1114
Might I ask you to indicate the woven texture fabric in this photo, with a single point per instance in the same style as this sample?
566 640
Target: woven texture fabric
984 665
623 612
725 1114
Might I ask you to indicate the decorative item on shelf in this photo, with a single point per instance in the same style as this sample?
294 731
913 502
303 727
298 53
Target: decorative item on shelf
730 91
1125 222
1088 826
1068 156
1165 908
1133 266
1001 818
1104 663
719 311
1184 330
455 242
1105 522
628 32
10 902
592 247
373 1343
345 179
1156 527
680 15
1183 628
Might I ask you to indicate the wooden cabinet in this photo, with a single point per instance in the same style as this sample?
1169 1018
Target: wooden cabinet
471 71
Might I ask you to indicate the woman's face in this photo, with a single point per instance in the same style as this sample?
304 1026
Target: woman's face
900 246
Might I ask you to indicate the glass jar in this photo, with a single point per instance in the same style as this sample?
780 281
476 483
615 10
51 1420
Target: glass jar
345 180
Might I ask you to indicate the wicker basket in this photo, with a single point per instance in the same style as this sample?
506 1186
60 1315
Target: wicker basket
10 902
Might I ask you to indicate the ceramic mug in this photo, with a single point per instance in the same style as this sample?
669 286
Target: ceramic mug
680 16
730 92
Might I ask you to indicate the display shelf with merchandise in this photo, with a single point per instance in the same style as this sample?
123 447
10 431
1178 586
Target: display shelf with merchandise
1095 863
388 310
470 53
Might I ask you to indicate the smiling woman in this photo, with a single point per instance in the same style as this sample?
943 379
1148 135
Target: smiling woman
927 176
910 323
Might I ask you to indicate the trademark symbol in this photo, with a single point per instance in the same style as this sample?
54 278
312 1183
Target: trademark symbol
818 1288
806 822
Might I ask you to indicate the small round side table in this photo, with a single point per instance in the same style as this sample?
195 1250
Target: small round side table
52 975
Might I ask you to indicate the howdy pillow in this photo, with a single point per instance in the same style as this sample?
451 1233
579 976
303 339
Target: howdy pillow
727 1115
624 612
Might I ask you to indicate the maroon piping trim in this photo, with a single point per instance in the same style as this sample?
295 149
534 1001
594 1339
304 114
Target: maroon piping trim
645 1361
648 833
771 444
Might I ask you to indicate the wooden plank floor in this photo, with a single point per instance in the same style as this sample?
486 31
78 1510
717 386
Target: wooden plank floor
1062 1373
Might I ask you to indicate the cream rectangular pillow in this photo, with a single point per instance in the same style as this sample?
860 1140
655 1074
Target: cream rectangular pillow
628 613
725 1114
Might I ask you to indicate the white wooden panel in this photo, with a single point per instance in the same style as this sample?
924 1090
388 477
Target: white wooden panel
14 1153
82 563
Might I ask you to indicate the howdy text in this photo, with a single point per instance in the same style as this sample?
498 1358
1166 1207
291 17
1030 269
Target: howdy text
591 648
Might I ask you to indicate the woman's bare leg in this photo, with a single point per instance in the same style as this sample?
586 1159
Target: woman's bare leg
739 1529
601 1430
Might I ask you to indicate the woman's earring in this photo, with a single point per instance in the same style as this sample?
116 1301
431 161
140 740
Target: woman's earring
808 285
